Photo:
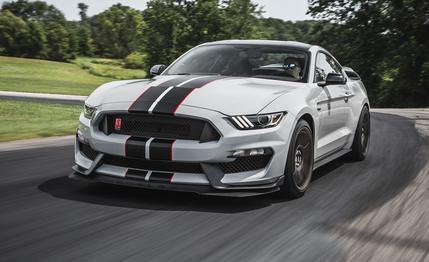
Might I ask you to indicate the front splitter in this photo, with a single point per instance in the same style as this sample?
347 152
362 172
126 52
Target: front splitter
199 189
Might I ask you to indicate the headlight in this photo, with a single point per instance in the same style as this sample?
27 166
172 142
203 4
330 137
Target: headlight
89 111
256 121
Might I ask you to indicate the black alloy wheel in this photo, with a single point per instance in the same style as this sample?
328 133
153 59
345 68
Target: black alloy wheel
299 164
362 136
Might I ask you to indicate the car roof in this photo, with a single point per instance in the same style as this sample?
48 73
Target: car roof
291 44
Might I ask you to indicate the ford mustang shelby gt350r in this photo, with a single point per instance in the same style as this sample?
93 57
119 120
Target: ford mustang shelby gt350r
232 117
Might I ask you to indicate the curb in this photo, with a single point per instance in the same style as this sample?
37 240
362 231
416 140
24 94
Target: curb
45 98
54 141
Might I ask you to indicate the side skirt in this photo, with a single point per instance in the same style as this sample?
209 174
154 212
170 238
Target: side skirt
329 157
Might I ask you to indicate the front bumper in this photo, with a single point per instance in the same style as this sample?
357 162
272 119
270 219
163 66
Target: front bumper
209 180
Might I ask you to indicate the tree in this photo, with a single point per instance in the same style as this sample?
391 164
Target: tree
83 12
59 45
303 31
47 25
241 19
84 41
37 42
84 37
165 24
117 31
204 23
36 10
13 34
19 38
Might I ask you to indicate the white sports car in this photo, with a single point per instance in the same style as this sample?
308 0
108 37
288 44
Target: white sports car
237 118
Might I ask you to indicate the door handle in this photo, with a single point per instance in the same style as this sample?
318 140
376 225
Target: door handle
347 96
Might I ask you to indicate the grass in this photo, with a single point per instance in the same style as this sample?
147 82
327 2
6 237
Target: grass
108 68
23 120
41 76
80 77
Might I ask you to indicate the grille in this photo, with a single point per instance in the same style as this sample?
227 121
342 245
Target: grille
178 167
87 151
244 164
159 126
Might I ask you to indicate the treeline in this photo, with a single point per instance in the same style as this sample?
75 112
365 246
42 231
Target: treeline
160 33
385 41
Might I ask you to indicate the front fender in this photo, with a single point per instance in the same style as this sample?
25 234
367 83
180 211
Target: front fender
298 105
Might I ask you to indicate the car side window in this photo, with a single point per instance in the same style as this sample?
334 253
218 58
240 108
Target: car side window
325 65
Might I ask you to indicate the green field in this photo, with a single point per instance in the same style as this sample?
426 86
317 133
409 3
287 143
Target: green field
78 78
111 68
23 120
41 76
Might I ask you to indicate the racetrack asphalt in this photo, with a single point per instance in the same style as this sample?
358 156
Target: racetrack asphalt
375 210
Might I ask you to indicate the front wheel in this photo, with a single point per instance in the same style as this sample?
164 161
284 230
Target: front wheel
299 164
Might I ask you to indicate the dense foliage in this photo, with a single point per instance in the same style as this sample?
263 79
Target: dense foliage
385 41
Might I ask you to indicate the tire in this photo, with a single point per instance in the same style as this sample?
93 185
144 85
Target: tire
299 164
362 136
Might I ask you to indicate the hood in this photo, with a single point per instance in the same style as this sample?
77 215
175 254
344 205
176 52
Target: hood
227 95
236 96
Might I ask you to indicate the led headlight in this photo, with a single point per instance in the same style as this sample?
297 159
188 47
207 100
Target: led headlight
256 121
89 111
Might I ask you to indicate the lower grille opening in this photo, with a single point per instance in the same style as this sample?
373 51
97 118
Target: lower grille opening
87 151
244 164
179 167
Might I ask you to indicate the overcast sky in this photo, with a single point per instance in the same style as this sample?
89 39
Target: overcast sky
284 9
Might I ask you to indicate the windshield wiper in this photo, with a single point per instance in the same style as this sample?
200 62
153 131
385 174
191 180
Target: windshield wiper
196 74
201 74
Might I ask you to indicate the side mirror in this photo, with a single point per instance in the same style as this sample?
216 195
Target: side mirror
157 70
333 79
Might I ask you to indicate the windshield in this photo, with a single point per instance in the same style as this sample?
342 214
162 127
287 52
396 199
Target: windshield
273 62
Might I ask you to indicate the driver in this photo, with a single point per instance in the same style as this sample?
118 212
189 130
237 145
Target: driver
292 67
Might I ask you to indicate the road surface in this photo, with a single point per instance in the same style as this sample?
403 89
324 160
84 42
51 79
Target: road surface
375 210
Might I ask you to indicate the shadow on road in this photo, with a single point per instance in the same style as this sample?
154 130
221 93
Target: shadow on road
121 196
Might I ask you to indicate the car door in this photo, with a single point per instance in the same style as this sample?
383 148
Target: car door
333 107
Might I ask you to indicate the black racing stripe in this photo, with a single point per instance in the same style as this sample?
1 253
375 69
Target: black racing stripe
145 100
175 97
159 177
176 81
135 147
172 100
200 82
143 103
136 174
160 149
